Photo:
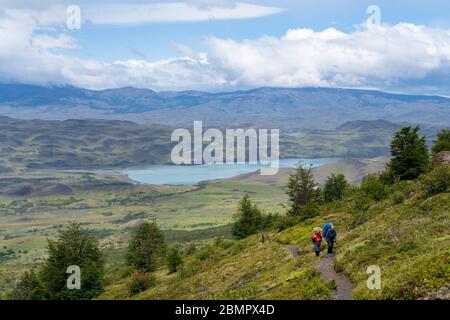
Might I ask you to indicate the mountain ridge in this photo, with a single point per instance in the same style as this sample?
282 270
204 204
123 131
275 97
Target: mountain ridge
312 108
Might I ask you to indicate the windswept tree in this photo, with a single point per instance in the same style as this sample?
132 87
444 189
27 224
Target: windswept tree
442 143
146 247
335 187
410 157
248 219
74 248
303 191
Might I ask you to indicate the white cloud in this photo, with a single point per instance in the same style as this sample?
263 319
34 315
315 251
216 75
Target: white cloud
305 34
402 57
384 57
45 41
173 12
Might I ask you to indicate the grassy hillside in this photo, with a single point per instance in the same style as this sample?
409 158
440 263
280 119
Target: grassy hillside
406 235
246 269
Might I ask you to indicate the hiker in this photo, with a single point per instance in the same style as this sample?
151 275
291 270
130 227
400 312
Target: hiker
329 232
317 240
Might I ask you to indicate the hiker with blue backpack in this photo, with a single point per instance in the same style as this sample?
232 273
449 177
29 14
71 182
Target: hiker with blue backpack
329 233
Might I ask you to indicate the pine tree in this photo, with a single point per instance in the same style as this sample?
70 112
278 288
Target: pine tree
248 219
146 247
442 143
174 259
73 247
335 187
302 191
410 157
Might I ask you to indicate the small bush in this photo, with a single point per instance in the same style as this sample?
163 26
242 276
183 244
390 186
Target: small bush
436 181
189 249
222 243
174 259
205 253
140 281
387 176
285 222
309 211
373 188
28 288
126 271
361 201
398 197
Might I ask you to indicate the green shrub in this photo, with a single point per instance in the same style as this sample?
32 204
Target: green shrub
285 222
222 243
442 143
426 272
387 177
398 197
140 281
189 249
28 288
361 201
174 259
372 188
436 181
308 211
205 253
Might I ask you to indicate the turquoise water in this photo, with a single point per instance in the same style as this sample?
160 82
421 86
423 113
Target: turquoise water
192 174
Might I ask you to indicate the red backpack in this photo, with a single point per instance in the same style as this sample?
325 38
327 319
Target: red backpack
317 237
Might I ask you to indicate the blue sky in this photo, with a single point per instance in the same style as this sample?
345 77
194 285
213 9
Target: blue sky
156 40
227 45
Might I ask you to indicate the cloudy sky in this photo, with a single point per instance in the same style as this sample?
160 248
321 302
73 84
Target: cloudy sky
218 45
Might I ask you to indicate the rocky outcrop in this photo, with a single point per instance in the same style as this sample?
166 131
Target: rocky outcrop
442 157
442 294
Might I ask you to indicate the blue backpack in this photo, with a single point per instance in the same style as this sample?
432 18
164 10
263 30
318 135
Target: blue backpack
326 227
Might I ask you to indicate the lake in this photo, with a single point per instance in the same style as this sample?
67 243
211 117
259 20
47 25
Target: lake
192 174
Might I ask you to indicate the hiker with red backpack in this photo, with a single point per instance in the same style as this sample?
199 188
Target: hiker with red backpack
316 239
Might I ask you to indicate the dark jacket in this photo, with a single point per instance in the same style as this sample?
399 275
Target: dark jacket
331 235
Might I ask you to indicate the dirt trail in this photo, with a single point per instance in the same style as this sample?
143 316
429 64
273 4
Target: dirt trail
344 286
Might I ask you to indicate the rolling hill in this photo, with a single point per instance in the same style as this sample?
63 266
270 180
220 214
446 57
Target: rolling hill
94 143
41 144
